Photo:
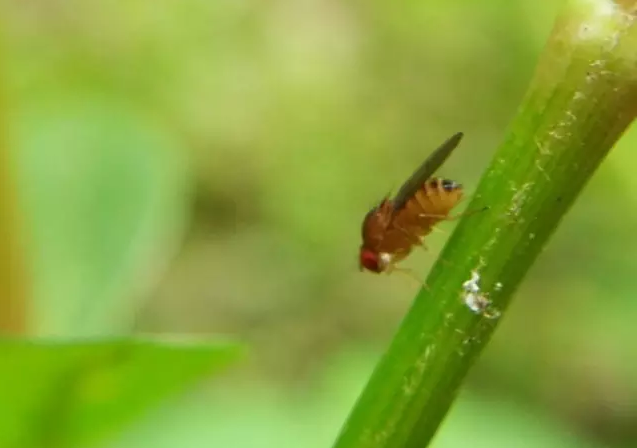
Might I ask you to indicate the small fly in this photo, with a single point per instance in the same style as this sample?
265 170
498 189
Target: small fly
391 229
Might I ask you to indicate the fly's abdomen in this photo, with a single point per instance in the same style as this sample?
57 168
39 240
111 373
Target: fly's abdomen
430 204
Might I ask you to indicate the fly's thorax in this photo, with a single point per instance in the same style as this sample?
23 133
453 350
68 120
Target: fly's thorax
376 222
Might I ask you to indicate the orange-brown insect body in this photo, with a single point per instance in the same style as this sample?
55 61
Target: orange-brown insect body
391 229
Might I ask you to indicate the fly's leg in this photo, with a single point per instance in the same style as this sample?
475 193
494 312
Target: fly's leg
421 245
469 213
450 218
438 229
409 272
453 217
420 242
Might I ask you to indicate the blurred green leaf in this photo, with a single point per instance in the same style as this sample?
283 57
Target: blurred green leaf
310 420
65 393
104 189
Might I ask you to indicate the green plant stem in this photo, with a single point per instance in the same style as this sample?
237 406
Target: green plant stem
582 98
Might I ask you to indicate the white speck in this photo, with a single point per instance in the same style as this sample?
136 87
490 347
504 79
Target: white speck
601 13
543 150
498 286
492 313
410 383
408 388
472 284
424 359
539 167
556 135
491 242
519 198
578 96
480 304
605 22
476 301
604 8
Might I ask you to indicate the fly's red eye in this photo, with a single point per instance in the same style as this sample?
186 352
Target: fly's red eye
369 260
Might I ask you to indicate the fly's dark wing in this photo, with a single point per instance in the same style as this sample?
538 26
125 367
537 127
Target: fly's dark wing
425 171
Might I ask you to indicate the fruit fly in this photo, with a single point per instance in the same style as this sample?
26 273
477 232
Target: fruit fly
392 228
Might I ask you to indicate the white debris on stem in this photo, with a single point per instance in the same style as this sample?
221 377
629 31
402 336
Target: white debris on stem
472 284
477 301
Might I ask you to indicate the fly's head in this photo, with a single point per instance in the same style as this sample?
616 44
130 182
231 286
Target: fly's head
373 261
373 231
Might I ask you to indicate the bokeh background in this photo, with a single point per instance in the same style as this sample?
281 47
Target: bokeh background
203 167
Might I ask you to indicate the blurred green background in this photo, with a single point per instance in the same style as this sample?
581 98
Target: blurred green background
203 167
